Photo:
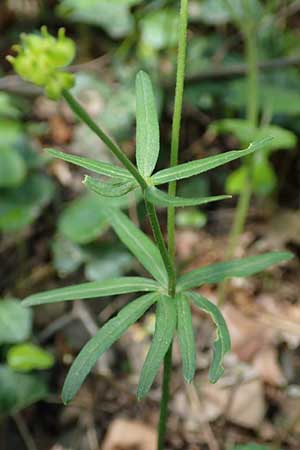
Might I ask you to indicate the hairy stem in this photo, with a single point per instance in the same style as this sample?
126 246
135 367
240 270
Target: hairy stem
181 58
164 399
114 148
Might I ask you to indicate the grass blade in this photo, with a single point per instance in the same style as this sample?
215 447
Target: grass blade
147 127
103 339
102 168
186 337
94 289
192 168
113 188
163 336
244 267
139 244
160 198
222 342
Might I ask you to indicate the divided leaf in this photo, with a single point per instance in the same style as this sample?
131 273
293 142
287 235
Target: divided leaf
244 267
164 330
222 343
94 289
102 340
102 168
147 127
139 244
192 168
186 337
160 198
113 188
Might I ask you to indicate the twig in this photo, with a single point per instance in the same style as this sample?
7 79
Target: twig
24 432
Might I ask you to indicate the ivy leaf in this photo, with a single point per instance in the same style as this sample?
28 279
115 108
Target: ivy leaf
186 337
192 168
160 198
162 339
94 289
103 339
244 267
102 168
113 188
139 244
222 343
147 127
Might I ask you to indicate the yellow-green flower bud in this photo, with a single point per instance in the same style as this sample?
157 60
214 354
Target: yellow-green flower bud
40 56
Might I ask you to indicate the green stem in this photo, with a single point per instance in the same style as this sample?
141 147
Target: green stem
249 32
181 59
114 148
160 242
164 399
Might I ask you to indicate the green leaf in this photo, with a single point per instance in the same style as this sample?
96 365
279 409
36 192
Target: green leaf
192 168
27 357
104 338
147 128
244 267
222 343
160 198
113 188
19 390
83 220
94 289
139 244
12 167
186 337
102 168
252 447
164 330
21 206
15 322
246 132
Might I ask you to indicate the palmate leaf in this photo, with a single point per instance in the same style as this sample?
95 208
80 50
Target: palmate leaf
160 198
103 339
147 127
192 168
139 244
244 267
102 168
222 343
94 289
113 188
164 330
186 338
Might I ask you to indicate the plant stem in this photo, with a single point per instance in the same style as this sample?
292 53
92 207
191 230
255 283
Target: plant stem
114 148
249 32
181 58
164 399
160 242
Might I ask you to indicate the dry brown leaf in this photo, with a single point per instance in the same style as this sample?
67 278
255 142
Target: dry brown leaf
267 366
248 336
126 434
